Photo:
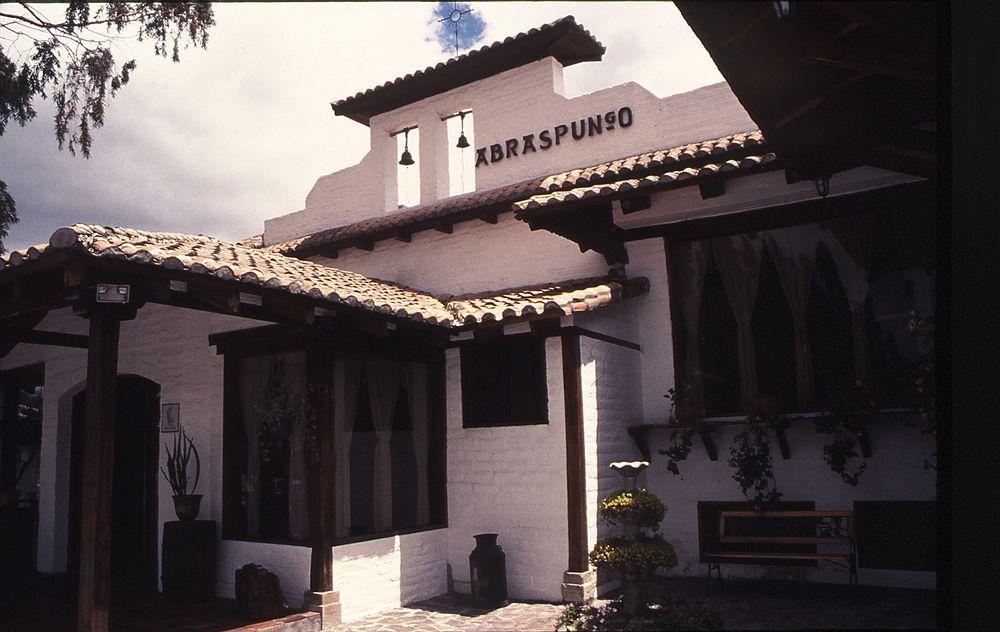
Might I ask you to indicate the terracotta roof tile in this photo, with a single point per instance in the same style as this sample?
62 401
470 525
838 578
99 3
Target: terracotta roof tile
652 161
563 39
562 298
408 218
505 196
200 254
634 184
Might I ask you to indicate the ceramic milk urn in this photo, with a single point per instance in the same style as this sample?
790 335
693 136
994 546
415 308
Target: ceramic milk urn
488 572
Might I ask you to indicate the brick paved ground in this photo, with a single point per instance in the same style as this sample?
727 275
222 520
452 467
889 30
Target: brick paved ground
743 605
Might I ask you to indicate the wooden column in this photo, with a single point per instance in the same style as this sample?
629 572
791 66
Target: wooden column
576 482
98 471
320 461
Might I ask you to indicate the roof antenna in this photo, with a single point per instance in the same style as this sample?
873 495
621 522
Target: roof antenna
454 18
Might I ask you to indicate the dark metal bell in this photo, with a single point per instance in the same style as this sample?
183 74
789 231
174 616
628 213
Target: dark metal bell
463 142
406 159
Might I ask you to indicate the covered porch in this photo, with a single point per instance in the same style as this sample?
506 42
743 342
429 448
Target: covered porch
233 304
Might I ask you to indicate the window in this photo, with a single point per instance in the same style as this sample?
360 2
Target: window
269 432
503 383
386 442
800 313
387 439
21 395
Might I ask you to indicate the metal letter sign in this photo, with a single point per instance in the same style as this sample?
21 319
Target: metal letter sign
547 138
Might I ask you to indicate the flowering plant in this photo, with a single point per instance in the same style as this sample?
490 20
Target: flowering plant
639 555
666 614
646 506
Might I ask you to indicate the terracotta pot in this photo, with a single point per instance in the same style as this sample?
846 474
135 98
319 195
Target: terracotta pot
187 506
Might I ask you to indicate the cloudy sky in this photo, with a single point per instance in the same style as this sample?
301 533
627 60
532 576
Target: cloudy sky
239 132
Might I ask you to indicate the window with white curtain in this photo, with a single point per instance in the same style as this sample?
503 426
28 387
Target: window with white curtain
801 313
383 429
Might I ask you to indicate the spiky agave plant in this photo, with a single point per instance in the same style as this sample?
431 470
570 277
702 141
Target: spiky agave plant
177 464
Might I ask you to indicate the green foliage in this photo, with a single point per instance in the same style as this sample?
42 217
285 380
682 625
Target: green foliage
8 213
176 471
750 453
846 422
667 614
640 555
924 390
683 418
646 506
72 60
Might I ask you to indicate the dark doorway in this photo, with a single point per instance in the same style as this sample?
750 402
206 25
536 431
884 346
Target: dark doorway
21 394
133 496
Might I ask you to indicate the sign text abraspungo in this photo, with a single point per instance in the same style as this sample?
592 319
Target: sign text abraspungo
577 130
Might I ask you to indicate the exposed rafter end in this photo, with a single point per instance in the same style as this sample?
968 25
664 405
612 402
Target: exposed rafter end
712 189
635 204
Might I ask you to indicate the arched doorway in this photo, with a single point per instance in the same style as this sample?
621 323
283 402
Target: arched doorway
134 517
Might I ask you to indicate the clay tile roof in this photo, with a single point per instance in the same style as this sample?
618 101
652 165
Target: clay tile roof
233 262
661 159
655 181
503 198
562 298
563 39
412 219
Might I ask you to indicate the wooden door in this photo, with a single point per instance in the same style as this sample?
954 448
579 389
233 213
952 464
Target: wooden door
134 515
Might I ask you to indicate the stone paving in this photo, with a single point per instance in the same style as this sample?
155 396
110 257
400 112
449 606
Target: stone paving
452 613
743 605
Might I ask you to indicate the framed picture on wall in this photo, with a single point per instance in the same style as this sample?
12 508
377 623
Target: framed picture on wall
170 418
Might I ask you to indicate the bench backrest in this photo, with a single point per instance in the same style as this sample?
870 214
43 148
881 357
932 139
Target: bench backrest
826 522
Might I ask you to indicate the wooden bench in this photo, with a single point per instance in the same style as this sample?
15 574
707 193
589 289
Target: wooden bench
828 528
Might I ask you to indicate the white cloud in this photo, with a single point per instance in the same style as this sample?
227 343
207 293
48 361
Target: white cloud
240 132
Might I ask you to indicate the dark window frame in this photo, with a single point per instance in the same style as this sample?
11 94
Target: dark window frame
500 350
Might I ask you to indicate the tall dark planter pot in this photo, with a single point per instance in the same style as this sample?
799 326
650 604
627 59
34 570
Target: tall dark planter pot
488 572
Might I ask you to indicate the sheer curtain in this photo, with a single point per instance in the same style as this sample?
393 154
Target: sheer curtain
738 258
250 379
415 378
689 266
851 250
348 372
382 377
793 250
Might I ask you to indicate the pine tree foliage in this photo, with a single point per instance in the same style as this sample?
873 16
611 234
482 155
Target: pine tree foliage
72 60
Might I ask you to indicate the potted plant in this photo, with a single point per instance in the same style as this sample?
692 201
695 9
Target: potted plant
186 503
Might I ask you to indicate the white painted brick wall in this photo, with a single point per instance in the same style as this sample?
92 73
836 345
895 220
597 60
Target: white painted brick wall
512 481
477 256
371 576
170 347
508 105
895 472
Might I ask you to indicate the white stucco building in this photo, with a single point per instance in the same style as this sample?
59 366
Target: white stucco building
494 326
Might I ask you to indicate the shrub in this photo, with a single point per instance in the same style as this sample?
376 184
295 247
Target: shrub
667 614
648 507
640 555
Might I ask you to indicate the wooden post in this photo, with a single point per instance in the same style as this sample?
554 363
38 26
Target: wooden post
320 460
98 471
576 482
